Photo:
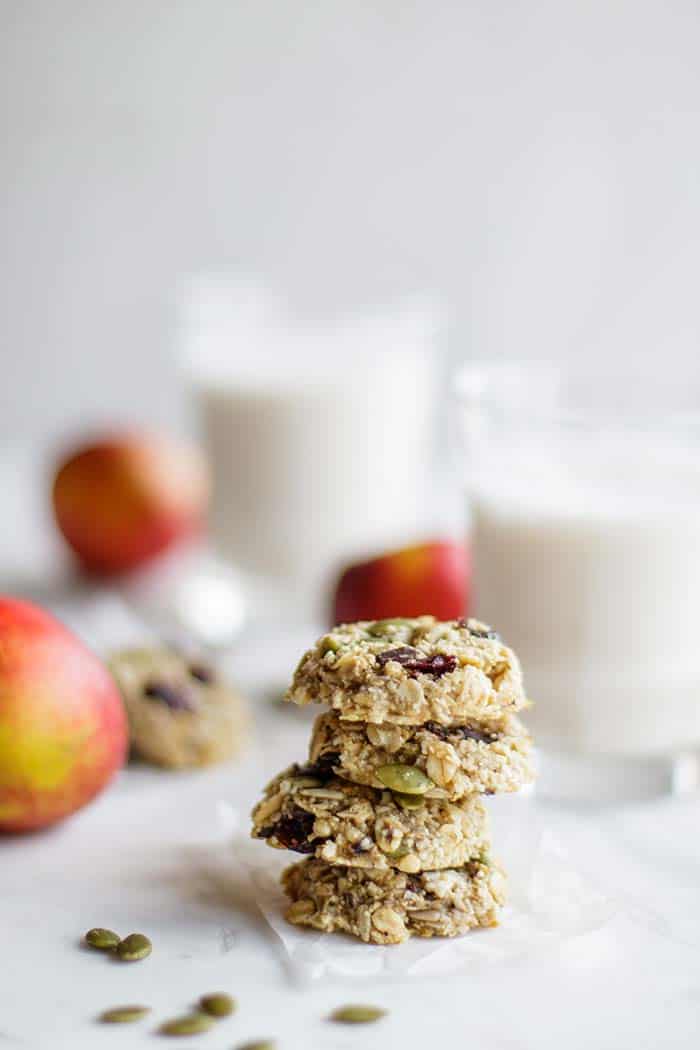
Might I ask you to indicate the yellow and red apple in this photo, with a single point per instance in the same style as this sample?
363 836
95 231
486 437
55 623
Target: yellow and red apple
428 578
124 499
63 730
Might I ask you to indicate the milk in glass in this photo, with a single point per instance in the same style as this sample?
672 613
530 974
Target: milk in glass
318 435
585 533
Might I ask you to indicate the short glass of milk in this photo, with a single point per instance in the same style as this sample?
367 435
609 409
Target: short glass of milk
584 507
318 434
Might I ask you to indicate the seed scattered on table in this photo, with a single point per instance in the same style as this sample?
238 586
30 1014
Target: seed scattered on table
354 1014
265 1044
103 940
190 1024
217 1004
134 947
124 1014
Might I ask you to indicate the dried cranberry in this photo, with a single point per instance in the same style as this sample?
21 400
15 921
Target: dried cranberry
203 674
404 655
436 665
467 732
293 831
177 699
478 632
322 768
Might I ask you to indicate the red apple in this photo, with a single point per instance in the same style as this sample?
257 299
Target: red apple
430 578
123 500
63 731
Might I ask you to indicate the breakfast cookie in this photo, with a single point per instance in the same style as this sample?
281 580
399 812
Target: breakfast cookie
180 712
411 671
309 810
482 757
388 906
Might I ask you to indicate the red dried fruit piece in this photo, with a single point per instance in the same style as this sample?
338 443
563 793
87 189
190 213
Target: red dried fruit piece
482 736
322 768
477 632
203 674
403 655
436 665
293 832
177 699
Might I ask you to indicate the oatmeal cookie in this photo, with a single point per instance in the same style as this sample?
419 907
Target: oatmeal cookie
482 757
411 671
180 712
387 906
311 811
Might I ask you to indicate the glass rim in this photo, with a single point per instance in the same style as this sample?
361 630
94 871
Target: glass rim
663 406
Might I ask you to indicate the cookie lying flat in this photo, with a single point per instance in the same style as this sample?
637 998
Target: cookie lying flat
307 810
387 907
180 712
411 671
483 757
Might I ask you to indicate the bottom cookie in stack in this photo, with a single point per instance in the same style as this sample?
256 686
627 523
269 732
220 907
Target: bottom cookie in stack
386 906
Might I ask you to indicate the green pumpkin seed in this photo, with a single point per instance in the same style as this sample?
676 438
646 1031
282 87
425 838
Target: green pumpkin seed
124 1014
259 1044
103 940
134 947
329 644
397 854
217 1004
357 1014
190 1024
382 627
408 801
409 780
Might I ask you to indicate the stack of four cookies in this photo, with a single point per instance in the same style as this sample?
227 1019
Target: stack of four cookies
422 723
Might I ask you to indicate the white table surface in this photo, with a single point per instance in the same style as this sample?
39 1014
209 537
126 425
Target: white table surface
140 859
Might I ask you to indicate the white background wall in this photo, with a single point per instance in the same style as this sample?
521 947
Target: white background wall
534 162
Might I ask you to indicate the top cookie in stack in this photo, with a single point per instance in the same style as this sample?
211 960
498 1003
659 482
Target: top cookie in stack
409 672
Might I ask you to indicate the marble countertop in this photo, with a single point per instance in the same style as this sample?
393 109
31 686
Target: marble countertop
154 854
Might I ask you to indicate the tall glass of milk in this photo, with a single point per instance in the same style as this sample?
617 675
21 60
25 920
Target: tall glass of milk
584 504
318 436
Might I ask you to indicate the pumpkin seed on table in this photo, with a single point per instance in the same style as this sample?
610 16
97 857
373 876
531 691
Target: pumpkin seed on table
134 947
102 939
189 1024
356 1014
217 1004
264 1044
409 780
124 1014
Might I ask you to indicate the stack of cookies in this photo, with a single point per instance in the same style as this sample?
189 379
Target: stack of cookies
388 807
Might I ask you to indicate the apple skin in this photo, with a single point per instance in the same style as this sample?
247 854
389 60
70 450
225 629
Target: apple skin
429 578
63 729
123 500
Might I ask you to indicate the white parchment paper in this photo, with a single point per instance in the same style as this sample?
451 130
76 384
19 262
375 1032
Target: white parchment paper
549 902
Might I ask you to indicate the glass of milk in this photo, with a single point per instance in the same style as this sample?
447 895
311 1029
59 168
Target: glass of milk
318 435
584 503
